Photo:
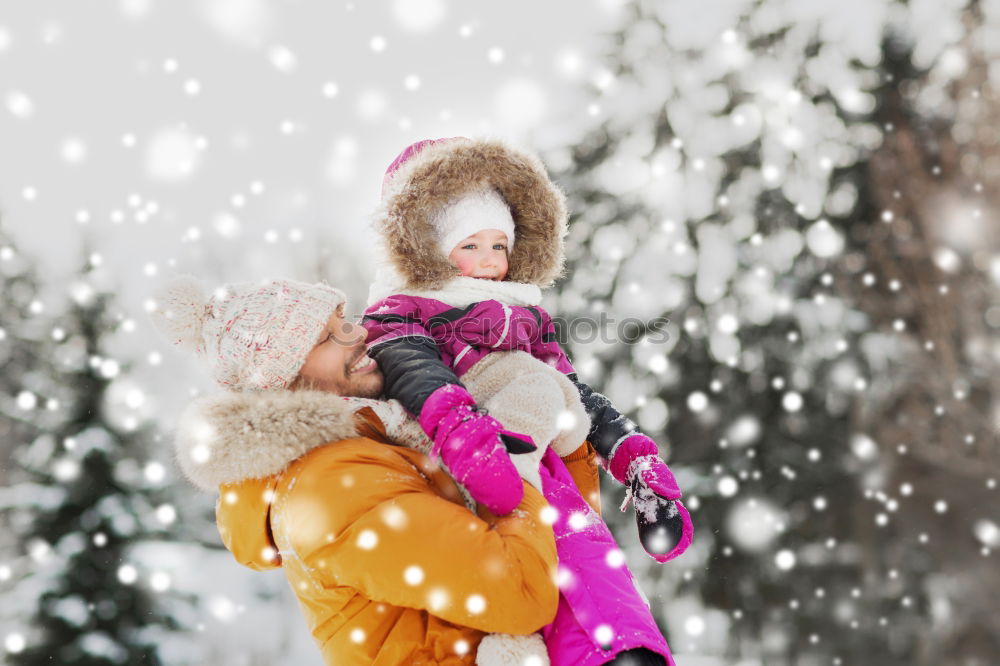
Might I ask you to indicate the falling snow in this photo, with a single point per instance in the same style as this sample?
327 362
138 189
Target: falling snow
826 376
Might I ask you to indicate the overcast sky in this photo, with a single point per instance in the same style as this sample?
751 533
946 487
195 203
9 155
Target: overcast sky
244 139
235 138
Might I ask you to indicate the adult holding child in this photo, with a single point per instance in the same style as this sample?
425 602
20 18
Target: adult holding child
387 561
377 539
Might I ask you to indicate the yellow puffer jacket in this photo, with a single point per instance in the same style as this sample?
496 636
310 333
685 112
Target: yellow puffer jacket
389 565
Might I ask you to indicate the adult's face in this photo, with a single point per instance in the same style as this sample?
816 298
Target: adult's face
339 363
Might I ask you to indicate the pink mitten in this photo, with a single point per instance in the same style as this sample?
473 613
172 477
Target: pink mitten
665 528
474 447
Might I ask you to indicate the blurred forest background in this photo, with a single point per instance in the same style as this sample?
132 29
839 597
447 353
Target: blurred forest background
806 189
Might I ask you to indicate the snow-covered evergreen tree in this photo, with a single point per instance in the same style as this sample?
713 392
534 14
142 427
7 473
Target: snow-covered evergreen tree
22 338
24 415
735 184
82 497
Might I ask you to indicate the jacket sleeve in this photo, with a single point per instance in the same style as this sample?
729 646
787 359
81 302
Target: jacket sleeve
608 426
550 350
400 542
406 353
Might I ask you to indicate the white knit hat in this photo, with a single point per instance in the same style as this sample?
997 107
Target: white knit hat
470 213
254 336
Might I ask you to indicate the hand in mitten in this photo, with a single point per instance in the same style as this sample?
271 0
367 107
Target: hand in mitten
475 447
665 528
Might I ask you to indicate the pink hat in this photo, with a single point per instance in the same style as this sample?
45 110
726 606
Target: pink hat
409 152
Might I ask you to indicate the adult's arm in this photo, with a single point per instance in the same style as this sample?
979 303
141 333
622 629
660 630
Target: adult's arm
363 515
582 466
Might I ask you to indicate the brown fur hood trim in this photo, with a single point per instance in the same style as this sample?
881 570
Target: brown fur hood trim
229 436
447 169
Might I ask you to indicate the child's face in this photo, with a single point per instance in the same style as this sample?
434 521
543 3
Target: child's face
482 255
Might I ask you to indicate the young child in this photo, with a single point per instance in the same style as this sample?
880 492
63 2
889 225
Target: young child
473 230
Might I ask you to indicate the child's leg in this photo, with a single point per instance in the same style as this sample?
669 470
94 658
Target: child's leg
597 598
638 657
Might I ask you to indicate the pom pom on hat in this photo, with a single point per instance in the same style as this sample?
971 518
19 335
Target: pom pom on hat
252 336
181 307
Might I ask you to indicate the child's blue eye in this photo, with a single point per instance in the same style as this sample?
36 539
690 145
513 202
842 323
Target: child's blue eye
469 247
500 246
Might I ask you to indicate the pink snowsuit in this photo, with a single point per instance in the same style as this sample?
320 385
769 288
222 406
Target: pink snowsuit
601 612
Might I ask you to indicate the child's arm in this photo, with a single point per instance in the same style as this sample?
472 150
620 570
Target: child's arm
608 426
406 353
633 459
411 363
473 445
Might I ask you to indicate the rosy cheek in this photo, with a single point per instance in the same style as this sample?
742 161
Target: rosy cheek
465 265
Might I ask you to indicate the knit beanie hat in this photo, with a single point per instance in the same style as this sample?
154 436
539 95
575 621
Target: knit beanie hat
469 214
253 336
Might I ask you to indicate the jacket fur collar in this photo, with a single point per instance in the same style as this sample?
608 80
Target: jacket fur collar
443 171
230 436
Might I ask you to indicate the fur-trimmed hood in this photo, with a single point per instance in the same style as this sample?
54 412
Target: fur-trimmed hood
227 437
445 169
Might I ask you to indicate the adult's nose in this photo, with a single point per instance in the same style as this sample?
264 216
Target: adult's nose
354 334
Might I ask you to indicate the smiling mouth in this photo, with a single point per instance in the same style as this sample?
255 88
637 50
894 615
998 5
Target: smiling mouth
363 364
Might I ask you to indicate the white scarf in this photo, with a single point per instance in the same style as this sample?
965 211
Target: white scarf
459 292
